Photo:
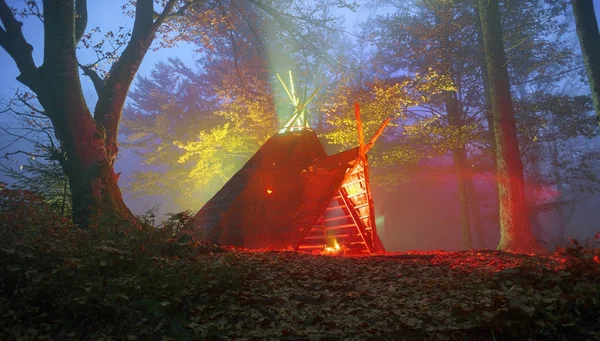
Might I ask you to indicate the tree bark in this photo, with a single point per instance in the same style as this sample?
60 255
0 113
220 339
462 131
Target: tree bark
589 39
96 198
515 229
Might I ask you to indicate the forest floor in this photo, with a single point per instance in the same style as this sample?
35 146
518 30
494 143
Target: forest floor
74 286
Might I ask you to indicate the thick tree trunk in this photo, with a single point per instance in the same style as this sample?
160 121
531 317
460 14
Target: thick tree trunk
589 40
515 229
96 198
95 195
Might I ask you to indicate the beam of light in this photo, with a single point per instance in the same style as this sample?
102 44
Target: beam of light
298 119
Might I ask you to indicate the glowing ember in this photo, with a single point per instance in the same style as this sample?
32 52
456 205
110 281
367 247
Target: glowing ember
269 191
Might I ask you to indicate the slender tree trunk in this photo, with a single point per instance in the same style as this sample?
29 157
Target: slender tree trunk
536 173
560 203
474 205
486 95
453 111
515 229
486 81
459 158
589 40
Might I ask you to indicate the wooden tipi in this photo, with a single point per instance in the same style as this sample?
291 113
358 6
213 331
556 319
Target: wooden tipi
291 194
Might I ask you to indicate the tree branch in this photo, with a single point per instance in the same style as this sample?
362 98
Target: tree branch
81 18
164 16
96 79
113 95
13 41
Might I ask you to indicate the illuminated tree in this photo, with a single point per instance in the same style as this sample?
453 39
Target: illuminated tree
201 125
515 228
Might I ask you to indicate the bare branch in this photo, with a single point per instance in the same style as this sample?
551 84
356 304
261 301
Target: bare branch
13 41
18 138
24 101
166 15
96 79
6 155
81 18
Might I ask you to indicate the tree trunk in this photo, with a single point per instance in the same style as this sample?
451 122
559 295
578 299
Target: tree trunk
515 229
95 195
473 197
453 112
589 40
90 143
460 160
532 193
486 81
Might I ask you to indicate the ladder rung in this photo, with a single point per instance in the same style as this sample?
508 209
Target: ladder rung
333 208
316 229
315 237
356 194
357 170
335 218
311 246
360 206
342 235
364 216
338 227
353 182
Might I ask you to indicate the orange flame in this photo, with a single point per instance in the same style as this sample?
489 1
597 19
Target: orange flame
333 249
269 191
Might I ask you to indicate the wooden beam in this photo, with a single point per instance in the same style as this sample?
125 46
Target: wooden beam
377 134
361 137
